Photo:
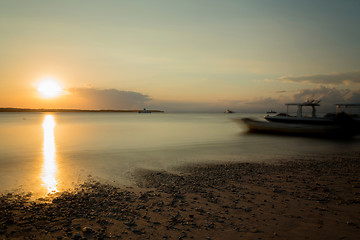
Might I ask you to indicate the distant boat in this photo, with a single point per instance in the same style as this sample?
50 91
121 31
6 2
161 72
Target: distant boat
271 112
144 111
228 111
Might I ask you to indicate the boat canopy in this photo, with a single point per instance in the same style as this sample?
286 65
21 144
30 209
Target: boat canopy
312 104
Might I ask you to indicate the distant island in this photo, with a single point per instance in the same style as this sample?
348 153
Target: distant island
72 110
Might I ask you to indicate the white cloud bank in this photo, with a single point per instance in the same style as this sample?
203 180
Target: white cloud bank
346 78
329 96
110 98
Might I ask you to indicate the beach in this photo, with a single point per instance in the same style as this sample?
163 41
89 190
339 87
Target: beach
179 120
305 198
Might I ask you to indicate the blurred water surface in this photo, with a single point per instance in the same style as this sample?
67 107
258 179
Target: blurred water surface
48 152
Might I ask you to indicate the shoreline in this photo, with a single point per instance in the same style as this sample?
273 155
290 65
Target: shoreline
302 199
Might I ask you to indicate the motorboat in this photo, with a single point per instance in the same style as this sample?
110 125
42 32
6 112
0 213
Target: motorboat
300 129
338 124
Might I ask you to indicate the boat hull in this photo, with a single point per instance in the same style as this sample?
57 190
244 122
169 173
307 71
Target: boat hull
303 120
314 130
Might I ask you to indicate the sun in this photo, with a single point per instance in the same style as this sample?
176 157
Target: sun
49 87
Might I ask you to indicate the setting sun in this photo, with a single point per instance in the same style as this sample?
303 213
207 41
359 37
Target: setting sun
49 88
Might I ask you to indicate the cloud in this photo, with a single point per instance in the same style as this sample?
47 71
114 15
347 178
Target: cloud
261 104
328 96
354 97
263 101
324 93
110 98
331 78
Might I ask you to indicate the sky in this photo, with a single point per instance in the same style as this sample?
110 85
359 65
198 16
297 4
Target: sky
180 56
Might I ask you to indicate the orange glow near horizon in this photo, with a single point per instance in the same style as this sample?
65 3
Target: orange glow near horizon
49 152
49 87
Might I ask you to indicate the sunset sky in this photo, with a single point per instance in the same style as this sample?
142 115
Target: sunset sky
188 55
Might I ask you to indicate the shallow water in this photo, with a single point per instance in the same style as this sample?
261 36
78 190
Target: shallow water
45 153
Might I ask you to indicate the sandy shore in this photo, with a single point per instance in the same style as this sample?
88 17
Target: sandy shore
300 199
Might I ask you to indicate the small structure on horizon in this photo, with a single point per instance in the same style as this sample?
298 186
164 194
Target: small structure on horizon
228 111
144 111
271 111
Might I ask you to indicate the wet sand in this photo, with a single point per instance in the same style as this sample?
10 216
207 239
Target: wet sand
299 199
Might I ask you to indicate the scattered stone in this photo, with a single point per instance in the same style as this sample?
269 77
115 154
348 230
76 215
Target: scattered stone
239 199
87 230
77 236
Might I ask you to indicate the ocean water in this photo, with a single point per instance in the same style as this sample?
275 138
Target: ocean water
48 152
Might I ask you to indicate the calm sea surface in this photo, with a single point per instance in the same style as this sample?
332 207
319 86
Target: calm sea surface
44 153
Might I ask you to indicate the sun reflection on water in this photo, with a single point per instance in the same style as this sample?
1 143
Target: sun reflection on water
49 167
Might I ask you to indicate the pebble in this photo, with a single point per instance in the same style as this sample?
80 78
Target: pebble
87 229
107 207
